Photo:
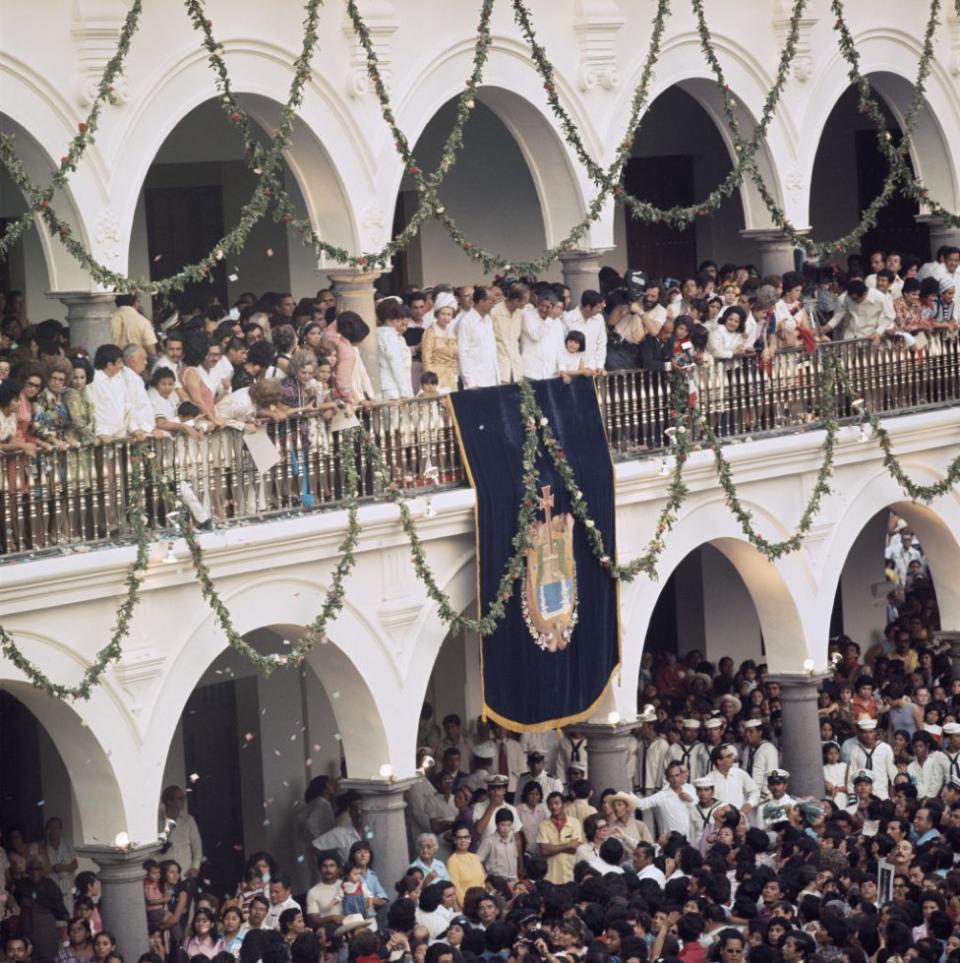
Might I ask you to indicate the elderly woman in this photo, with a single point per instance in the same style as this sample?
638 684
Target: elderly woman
438 350
50 415
300 392
427 862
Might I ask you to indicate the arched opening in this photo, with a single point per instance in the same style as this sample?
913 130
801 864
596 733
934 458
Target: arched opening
37 263
681 152
52 765
849 171
897 578
193 194
247 745
511 170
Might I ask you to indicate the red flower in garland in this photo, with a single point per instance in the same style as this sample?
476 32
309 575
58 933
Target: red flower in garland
617 190
209 24
362 261
44 204
84 126
413 169
467 245
64 161
236 117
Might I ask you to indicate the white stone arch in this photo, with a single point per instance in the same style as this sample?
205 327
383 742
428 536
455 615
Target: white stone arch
937 527
44 124
776 588
513 90
333 173
889 58
354 661
95 739
681 63
431 631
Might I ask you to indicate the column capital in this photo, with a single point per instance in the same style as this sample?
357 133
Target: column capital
119 864
799 681
88 316
601 730
384 789
352 279
584 254
770 236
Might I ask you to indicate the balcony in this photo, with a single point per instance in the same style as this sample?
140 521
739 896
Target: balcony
77 500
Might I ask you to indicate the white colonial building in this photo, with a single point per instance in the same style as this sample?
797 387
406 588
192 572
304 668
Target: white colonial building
166 178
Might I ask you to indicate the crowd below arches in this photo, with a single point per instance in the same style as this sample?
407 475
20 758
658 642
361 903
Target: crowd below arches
705 852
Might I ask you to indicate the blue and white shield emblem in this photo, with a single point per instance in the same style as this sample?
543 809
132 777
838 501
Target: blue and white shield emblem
548 597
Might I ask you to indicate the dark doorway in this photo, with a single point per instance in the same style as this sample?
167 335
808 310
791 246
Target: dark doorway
21 793
896 228
657 249
211 740
183 225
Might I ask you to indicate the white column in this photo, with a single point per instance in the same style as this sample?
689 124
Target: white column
88 317
776 250
383 824
941 234
607 750
801 750
581 272
354 292
121 881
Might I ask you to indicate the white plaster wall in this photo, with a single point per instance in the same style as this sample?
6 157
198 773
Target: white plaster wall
344 155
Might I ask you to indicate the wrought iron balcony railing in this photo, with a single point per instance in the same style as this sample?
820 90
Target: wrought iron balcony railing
57 501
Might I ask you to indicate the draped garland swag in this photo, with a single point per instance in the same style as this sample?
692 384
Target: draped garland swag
357 446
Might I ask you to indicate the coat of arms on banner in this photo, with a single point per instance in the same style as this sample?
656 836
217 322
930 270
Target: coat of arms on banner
549 592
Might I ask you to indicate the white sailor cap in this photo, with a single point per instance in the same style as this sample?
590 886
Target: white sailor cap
866 723
714 723
950 729
704 782
752 723
778 775
691 723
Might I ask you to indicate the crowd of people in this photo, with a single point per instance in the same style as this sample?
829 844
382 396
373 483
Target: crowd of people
518 856
267 358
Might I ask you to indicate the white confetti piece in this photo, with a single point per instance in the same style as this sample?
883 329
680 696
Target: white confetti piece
233 277
269 252
194 776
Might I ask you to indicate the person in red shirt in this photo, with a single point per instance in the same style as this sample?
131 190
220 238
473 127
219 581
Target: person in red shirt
865 703
670 678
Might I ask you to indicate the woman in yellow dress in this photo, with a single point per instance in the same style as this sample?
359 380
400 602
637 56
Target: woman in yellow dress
438 351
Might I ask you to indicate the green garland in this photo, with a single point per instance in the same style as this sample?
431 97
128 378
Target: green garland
113 650
270 182
39 199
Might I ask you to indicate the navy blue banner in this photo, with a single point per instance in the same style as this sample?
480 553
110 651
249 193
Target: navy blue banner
550 660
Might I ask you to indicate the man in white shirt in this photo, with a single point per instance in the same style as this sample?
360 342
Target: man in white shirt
484 813
864 312
537 772
140 418
280 900
902 551
508 759
323 899
643 857
172 358
730 783
477 343
672 803
760 756
701 812
541 338
507 319
588 319
108 393
893 263
774 809
872 754
929 768
183 835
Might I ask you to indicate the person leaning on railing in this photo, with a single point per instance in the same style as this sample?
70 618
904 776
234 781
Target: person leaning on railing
862 312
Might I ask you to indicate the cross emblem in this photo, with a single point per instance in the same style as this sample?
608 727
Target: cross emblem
546 506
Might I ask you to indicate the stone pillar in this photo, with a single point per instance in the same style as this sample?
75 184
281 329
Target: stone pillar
581 272
121 881
777 253
384 824
607 752
800 747
88 317
354 292
940 234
